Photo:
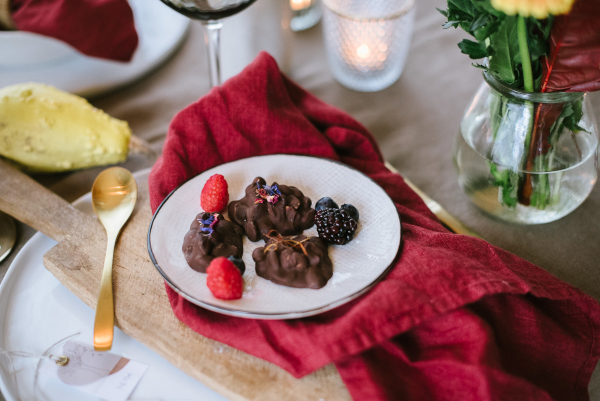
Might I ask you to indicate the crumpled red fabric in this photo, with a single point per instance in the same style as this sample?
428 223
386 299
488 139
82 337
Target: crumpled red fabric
96 28
455 319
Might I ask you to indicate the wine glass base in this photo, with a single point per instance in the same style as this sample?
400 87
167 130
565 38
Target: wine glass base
8 235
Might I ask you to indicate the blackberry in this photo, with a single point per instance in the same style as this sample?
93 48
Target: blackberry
239 263
325 203
335 226
351 210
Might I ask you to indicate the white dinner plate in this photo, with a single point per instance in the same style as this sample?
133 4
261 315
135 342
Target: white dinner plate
357 266
29 57
36 311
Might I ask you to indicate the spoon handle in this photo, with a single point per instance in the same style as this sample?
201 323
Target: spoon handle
105 310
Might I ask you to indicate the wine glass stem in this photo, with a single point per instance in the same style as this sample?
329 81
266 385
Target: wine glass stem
212 31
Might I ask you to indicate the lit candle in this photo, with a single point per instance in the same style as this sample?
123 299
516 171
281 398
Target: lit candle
363 51
365 47
298 5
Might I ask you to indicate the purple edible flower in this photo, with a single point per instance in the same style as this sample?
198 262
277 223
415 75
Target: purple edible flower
208 224
269 193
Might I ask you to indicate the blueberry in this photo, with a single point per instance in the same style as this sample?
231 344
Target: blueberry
325 203
351 210
239 263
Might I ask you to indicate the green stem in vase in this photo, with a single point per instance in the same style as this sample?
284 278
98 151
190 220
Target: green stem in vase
527 73
525 57
528 87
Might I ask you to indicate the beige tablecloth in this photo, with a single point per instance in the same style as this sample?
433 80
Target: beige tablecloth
415 122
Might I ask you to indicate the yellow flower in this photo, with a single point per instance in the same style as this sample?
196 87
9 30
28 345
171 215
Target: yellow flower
535 8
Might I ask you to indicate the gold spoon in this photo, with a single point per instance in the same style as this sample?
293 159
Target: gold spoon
113 195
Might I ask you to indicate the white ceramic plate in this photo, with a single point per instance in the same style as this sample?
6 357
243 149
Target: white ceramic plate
29 57
357 265
36 311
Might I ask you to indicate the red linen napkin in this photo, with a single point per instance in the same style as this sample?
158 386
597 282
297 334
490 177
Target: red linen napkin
97 28
455 319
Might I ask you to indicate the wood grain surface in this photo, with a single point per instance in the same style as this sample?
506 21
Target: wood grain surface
142 309
29 202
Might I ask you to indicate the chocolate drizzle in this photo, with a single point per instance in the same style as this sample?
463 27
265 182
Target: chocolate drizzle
211 236
301 261
283 208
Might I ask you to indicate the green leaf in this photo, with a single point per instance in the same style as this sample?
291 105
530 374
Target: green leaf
542 195
477 18
537 82
503 64
538 44
508 184
451 24
486 31
572 113
485 5
456 17
543 26
479 21
463 5
475 50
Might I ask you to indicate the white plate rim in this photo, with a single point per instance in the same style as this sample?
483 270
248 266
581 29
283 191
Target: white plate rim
270 316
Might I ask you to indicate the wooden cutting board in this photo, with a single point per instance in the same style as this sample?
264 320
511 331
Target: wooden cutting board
142 309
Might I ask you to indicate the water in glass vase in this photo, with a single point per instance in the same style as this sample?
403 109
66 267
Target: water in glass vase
496 189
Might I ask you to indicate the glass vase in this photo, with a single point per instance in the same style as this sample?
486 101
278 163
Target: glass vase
527 158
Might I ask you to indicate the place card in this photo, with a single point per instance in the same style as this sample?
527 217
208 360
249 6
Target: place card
102 374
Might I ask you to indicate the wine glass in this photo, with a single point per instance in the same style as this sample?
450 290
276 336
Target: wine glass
210 12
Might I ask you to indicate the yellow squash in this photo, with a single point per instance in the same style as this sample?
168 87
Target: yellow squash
44 129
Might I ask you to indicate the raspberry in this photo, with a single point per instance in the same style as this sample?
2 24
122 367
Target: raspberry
214 197
224 279
335 226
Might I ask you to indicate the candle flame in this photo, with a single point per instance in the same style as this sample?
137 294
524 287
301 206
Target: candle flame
363 51
297 5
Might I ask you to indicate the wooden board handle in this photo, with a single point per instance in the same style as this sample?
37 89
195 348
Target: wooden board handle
33 204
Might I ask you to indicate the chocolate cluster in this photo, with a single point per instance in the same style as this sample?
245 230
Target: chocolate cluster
277 207
301 262
211 236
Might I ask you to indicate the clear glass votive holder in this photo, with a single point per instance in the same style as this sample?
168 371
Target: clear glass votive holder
305 14
367 41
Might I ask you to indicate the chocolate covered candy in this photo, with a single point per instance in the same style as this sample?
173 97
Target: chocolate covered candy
211 236
278 207
300 261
